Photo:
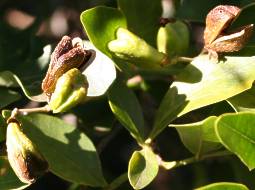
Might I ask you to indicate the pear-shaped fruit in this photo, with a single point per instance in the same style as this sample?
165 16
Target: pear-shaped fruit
131 48
173 38
26 161
71 89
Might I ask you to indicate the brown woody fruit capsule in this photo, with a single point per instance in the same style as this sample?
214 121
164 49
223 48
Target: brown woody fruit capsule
24 158
218 21
65 57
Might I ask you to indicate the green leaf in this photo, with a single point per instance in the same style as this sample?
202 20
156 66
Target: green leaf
237 133
8 179
126 108
199 138
69 152
100 24
170 106
223 186
204 82
2 129
196 10
7 79
142 17
244 101
142 168
6 114
31 90
246 16
7 97
100 73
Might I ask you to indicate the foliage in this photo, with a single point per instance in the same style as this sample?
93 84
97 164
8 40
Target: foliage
208 101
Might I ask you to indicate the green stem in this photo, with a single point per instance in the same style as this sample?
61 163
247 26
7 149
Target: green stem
117 182
176 164
45 108
185 59
168 165
17 111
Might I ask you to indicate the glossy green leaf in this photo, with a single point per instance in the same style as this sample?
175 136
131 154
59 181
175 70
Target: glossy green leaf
237 133
142 17
199 138
173 38
223 186
127 109
142 168
100 73
7 97
69 152
204 82
8 179
246 16
172 104
100 24
244 101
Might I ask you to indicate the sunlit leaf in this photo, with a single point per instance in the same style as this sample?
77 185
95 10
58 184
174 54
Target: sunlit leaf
100 24
244 101
126 108
237 133
223 186
143 23
100 73
204 82
199 137
142 168
69 152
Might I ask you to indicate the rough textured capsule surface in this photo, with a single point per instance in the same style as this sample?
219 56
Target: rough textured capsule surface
65 57
217 38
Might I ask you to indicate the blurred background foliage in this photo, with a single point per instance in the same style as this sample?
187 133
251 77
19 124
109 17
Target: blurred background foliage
27 26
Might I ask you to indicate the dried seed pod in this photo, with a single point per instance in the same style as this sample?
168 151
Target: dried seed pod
232 42
218 21
65 57
26 161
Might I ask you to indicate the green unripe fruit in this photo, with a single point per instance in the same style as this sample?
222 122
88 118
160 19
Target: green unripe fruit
71 89
25 160
173 38
131 48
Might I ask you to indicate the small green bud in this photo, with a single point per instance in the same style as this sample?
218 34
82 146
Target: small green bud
25 160
173 38
131 48
71 89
